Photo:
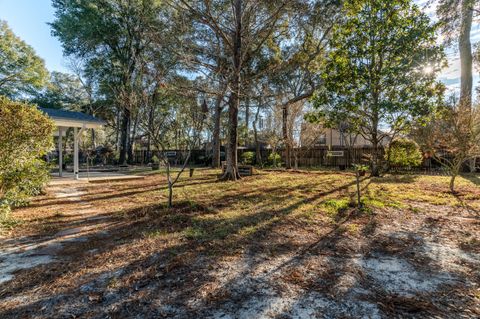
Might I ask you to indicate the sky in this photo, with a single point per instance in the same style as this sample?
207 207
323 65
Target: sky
28 19
450 76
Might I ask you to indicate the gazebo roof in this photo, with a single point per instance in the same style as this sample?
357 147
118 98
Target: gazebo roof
63 118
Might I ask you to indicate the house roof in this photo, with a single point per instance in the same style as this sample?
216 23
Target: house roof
65 118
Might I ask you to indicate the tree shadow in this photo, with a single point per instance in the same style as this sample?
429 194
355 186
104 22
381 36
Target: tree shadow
464 204
160 262
474 178
398 179
114 193
213 237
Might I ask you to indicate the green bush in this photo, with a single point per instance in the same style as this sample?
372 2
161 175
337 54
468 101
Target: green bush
404 152
361 168
24 182
248 158
67 159
25 136
275 160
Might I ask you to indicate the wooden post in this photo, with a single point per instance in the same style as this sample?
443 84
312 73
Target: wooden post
60 151
359 201
75 153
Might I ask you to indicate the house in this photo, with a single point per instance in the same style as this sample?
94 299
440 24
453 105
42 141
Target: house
329 137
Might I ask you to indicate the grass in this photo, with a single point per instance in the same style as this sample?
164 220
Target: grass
335 206
308 196
7 221
273 213
219 208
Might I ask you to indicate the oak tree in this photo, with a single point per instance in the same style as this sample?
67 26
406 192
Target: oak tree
22 72
381 70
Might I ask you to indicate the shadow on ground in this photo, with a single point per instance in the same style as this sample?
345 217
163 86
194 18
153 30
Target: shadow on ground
202 260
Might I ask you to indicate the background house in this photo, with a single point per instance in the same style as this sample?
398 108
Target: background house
329 137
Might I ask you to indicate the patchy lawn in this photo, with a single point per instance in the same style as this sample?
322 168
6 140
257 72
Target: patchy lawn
274 245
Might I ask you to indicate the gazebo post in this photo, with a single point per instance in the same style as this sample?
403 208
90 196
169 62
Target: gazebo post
75 152
76 139
60 151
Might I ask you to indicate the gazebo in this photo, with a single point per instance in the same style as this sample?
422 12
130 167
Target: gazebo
80 122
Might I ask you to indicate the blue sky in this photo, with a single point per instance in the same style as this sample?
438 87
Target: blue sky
29 18
451 75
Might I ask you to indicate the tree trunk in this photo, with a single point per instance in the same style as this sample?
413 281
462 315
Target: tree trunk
374 135
286 140
296 158
94 141
216 133
170 185
117 132
124 134
247 120
466 58
150 130
170 195
452 182
375 157
258 154
465 48
131 140
231 173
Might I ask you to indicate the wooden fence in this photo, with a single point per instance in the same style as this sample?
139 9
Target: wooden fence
175 157
335 157
304 157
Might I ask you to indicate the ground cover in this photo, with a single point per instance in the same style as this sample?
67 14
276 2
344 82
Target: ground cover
274 245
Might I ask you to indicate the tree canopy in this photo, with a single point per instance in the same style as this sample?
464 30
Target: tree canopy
22 72
63 91
380 73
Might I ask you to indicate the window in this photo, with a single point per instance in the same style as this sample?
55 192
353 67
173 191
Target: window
322 139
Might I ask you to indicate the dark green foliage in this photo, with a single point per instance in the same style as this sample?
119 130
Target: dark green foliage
24 182
248 158
404 152
380 75
275 160
21 70
63 91
25 136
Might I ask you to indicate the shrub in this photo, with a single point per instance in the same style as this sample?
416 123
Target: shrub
275 160
248 158
105 153
361 168
404 152
25 181
25 136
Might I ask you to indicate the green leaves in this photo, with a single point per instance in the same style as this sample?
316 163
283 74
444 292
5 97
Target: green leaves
374 71
25 136
25 133
21 70
404 152
63 91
